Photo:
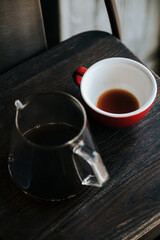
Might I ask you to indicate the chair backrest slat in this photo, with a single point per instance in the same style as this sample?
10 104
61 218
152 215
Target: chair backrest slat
113 17
21 31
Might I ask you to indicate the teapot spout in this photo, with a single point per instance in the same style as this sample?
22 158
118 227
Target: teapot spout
19 105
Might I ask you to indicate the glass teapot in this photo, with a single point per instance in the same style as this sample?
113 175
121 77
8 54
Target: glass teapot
53 156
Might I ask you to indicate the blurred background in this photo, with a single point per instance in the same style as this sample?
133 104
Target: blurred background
139 19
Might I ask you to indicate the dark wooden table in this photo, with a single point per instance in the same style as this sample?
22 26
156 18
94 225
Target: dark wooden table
128 206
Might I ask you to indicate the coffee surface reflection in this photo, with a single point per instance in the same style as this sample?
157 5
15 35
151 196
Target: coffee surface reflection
117 101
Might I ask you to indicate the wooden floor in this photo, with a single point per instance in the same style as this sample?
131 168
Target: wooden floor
128 206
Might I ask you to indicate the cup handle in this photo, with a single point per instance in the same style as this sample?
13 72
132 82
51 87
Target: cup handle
99 173
78 74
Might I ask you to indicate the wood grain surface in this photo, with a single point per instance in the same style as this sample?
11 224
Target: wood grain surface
128 206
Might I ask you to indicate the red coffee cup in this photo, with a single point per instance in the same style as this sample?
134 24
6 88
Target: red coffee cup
117 73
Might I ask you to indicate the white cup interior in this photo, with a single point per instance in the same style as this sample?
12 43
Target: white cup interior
118 73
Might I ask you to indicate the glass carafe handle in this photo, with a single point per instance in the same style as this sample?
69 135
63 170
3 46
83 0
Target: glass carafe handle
99 173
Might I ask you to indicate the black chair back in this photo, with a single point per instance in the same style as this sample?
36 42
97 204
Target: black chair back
22 33
28 27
